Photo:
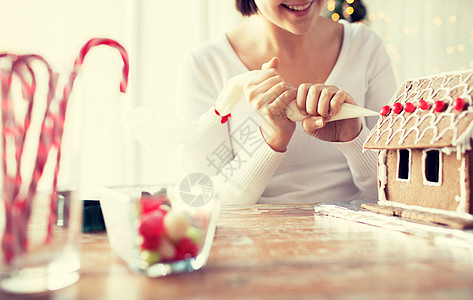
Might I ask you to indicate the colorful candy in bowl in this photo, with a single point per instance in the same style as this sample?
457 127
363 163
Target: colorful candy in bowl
154 231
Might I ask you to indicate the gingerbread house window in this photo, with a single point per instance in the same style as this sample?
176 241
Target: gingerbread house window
432 167
403 164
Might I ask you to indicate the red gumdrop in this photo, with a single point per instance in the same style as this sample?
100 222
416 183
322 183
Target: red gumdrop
409 107
439 106
397 108
149 204
423 104
459 104
151 243
152 225
152 203
385 110
186 248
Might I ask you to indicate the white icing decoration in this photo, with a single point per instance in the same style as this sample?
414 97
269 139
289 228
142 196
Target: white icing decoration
382 174
448 150
462 198
465 216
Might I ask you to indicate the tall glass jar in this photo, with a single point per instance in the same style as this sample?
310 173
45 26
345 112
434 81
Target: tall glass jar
39 227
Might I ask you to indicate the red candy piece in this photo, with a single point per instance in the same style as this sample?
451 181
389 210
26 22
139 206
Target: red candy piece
459 104
385 110
397 108
423 104
152 225
186 248
151 243
409 107
149 204
439 106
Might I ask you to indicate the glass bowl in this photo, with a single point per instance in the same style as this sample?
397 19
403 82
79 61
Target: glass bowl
155 231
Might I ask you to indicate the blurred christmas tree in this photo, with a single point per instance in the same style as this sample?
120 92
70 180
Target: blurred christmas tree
350 10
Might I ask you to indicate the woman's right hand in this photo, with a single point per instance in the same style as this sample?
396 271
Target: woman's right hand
320 103
269 94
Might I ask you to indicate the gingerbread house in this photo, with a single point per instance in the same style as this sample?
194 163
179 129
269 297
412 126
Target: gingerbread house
423 139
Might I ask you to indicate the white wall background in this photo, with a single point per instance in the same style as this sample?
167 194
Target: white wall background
156 34
424 37
165 34
56 30
421 36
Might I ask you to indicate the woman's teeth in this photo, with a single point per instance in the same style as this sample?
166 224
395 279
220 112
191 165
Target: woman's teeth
298 7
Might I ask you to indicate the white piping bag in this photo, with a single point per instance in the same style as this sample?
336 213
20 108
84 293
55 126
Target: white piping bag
149 127
232 93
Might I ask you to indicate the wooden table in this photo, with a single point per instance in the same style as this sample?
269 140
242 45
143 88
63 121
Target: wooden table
278 251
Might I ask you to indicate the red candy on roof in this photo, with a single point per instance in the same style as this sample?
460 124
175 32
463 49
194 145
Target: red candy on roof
439 106
459 104
385 110
423 104
409 107
397 108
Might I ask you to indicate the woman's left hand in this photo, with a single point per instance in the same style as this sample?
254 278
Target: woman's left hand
321 102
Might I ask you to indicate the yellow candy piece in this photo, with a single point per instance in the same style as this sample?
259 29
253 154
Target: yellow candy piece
150 257
195 234
176 225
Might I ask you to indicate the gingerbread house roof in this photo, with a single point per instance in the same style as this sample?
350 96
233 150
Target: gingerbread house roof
429 112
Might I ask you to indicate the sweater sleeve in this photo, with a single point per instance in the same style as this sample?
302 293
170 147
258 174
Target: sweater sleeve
238 178
362 164
243 180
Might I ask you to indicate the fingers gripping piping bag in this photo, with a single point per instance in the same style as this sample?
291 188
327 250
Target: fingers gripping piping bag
232 93
145 124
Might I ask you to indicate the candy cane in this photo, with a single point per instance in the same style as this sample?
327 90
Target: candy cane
82 54
8 239
20 132
65 98
11 131
18 207
21 209
46 138
13 232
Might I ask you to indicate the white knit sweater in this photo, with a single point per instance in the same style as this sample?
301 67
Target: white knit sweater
244 169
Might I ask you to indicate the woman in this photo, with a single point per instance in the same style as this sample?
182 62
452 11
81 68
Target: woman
259 155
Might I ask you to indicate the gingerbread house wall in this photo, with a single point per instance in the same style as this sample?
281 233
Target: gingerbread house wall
453 192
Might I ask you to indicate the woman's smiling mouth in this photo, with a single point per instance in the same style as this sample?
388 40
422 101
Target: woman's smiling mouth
298 8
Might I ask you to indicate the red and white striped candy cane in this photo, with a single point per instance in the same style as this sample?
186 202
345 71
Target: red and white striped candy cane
67 91
18 207
46 137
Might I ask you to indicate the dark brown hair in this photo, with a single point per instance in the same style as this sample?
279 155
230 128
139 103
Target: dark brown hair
246 7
